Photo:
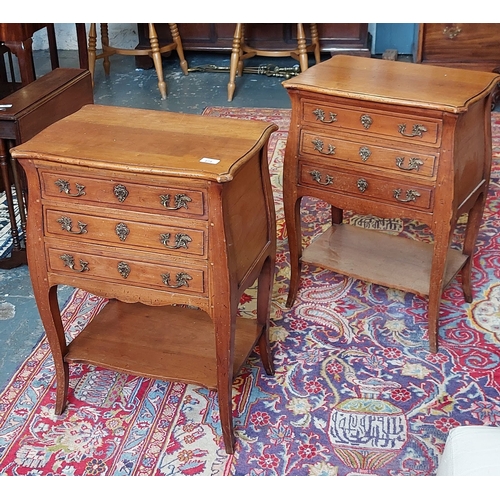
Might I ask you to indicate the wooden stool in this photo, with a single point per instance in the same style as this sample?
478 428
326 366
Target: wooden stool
242 51
154 52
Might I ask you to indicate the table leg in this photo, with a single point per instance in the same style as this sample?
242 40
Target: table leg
81 37
293 229
155 54
264 296
235 58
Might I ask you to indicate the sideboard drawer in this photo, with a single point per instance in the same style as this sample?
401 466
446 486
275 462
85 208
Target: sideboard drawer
380 190
171 200
416 129
122 232
119 268
328 149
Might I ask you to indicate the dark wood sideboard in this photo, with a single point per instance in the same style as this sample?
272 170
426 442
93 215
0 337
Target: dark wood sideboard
345 38
460 45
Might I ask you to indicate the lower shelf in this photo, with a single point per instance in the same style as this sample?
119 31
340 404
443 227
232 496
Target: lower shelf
377 257
160 342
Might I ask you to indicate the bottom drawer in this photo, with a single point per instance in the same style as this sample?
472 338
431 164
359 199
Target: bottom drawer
367 187
129 271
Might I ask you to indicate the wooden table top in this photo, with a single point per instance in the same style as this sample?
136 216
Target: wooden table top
153 142
396 82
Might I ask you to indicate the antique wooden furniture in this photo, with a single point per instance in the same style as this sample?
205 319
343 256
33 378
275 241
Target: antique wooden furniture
394 140
460 45
155 50
17 37
22 115
151 208
334 38
241 51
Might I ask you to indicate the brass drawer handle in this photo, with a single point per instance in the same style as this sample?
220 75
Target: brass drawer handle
64 187
69 261
67 225
452 32
182 240
182 279
320 115
317 177
180 201
365 153
366 121
123 269
416 131
413 163
122 231
121 192
318 146
362 185
411 195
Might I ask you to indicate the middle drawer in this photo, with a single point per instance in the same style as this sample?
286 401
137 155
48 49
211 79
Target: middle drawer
387 158
131 234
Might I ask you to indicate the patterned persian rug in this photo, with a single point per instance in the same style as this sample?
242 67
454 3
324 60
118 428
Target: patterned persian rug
356 391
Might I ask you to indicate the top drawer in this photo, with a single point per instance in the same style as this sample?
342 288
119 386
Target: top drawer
392 126
174 201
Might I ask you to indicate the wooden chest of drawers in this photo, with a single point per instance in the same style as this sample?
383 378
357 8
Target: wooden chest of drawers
150 208
394 140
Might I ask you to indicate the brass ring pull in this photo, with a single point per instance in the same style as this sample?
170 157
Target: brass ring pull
181 240
320 115
64 187
67 225
182 279
69 261
318 146
411 195
416 131
180 201
121 192
317 177
366 121
413 163
123 269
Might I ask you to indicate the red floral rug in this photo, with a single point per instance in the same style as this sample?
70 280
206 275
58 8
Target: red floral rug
355 391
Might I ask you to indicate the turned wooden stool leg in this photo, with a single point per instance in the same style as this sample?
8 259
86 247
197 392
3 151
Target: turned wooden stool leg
155 54
92 49
301 42
235 58
178 47
105 44
315 42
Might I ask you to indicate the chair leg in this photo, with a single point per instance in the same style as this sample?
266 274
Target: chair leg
301 40
176 37
105 44
235 59
315 42
92 50
156 55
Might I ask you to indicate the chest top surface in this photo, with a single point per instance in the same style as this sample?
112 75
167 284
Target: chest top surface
152 142
396 82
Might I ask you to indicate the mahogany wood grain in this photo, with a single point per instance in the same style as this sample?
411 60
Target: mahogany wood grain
393 140
80 169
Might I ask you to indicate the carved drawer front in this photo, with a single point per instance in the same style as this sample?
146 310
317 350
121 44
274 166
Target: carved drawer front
116 269
374 123
369 187
328 148
120 232
173 201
